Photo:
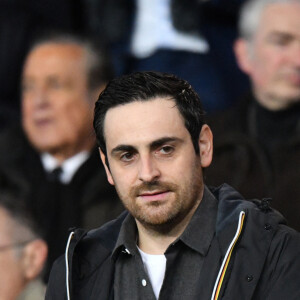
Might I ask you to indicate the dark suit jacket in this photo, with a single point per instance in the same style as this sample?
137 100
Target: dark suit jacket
240 158
87 201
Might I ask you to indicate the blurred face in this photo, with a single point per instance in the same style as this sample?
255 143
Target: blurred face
12 280
152 161
272 58
57 111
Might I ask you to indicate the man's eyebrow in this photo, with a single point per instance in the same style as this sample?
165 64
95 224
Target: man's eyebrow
164 140
281 34
122 148
153 145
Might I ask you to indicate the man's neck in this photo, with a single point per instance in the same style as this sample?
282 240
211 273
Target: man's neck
274 128
152 242
273 103
64 153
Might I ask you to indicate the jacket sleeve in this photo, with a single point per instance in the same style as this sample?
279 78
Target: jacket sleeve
56 289
284 266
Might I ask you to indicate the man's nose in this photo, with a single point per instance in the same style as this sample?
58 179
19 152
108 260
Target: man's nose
40 97
148 169
295 55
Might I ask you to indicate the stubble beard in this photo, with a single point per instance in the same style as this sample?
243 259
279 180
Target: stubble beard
161 216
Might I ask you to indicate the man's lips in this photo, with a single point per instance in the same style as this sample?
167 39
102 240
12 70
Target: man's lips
292 78
154 195
295 79
43 122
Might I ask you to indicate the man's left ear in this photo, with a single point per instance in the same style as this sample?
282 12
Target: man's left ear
242 53
94 94
34 258
206 146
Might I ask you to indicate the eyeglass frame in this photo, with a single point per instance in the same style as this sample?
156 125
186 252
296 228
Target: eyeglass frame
14 245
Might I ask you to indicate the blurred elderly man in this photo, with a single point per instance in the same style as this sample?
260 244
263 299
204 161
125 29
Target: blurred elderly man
257 145
55 151
23 252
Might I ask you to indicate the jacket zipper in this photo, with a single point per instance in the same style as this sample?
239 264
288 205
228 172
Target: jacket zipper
226 260
67 264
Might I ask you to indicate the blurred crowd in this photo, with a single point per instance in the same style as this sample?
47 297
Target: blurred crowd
193 41
57 56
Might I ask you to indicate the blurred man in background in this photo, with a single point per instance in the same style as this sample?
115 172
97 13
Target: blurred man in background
257 145
23 252
55 149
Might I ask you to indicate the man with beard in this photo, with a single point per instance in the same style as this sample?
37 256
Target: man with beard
179 238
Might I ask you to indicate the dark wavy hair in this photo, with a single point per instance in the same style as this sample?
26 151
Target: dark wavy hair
144 86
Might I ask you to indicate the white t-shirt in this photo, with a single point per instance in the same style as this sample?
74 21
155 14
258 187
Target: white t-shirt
155 266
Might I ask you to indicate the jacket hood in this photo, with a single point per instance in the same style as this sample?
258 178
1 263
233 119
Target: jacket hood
231 203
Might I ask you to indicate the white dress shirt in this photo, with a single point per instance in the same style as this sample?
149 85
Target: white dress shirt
69 166
153 29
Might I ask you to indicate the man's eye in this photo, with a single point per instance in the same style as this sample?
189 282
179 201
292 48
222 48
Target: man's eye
56 85
280 40
127 156
26 87
166 150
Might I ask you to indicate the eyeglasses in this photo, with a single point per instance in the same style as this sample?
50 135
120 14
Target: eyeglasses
15 245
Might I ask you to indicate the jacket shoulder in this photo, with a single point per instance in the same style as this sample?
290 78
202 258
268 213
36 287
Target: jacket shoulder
281 271
56 289
82 258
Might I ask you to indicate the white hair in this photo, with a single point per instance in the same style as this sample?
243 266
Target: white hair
250 15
